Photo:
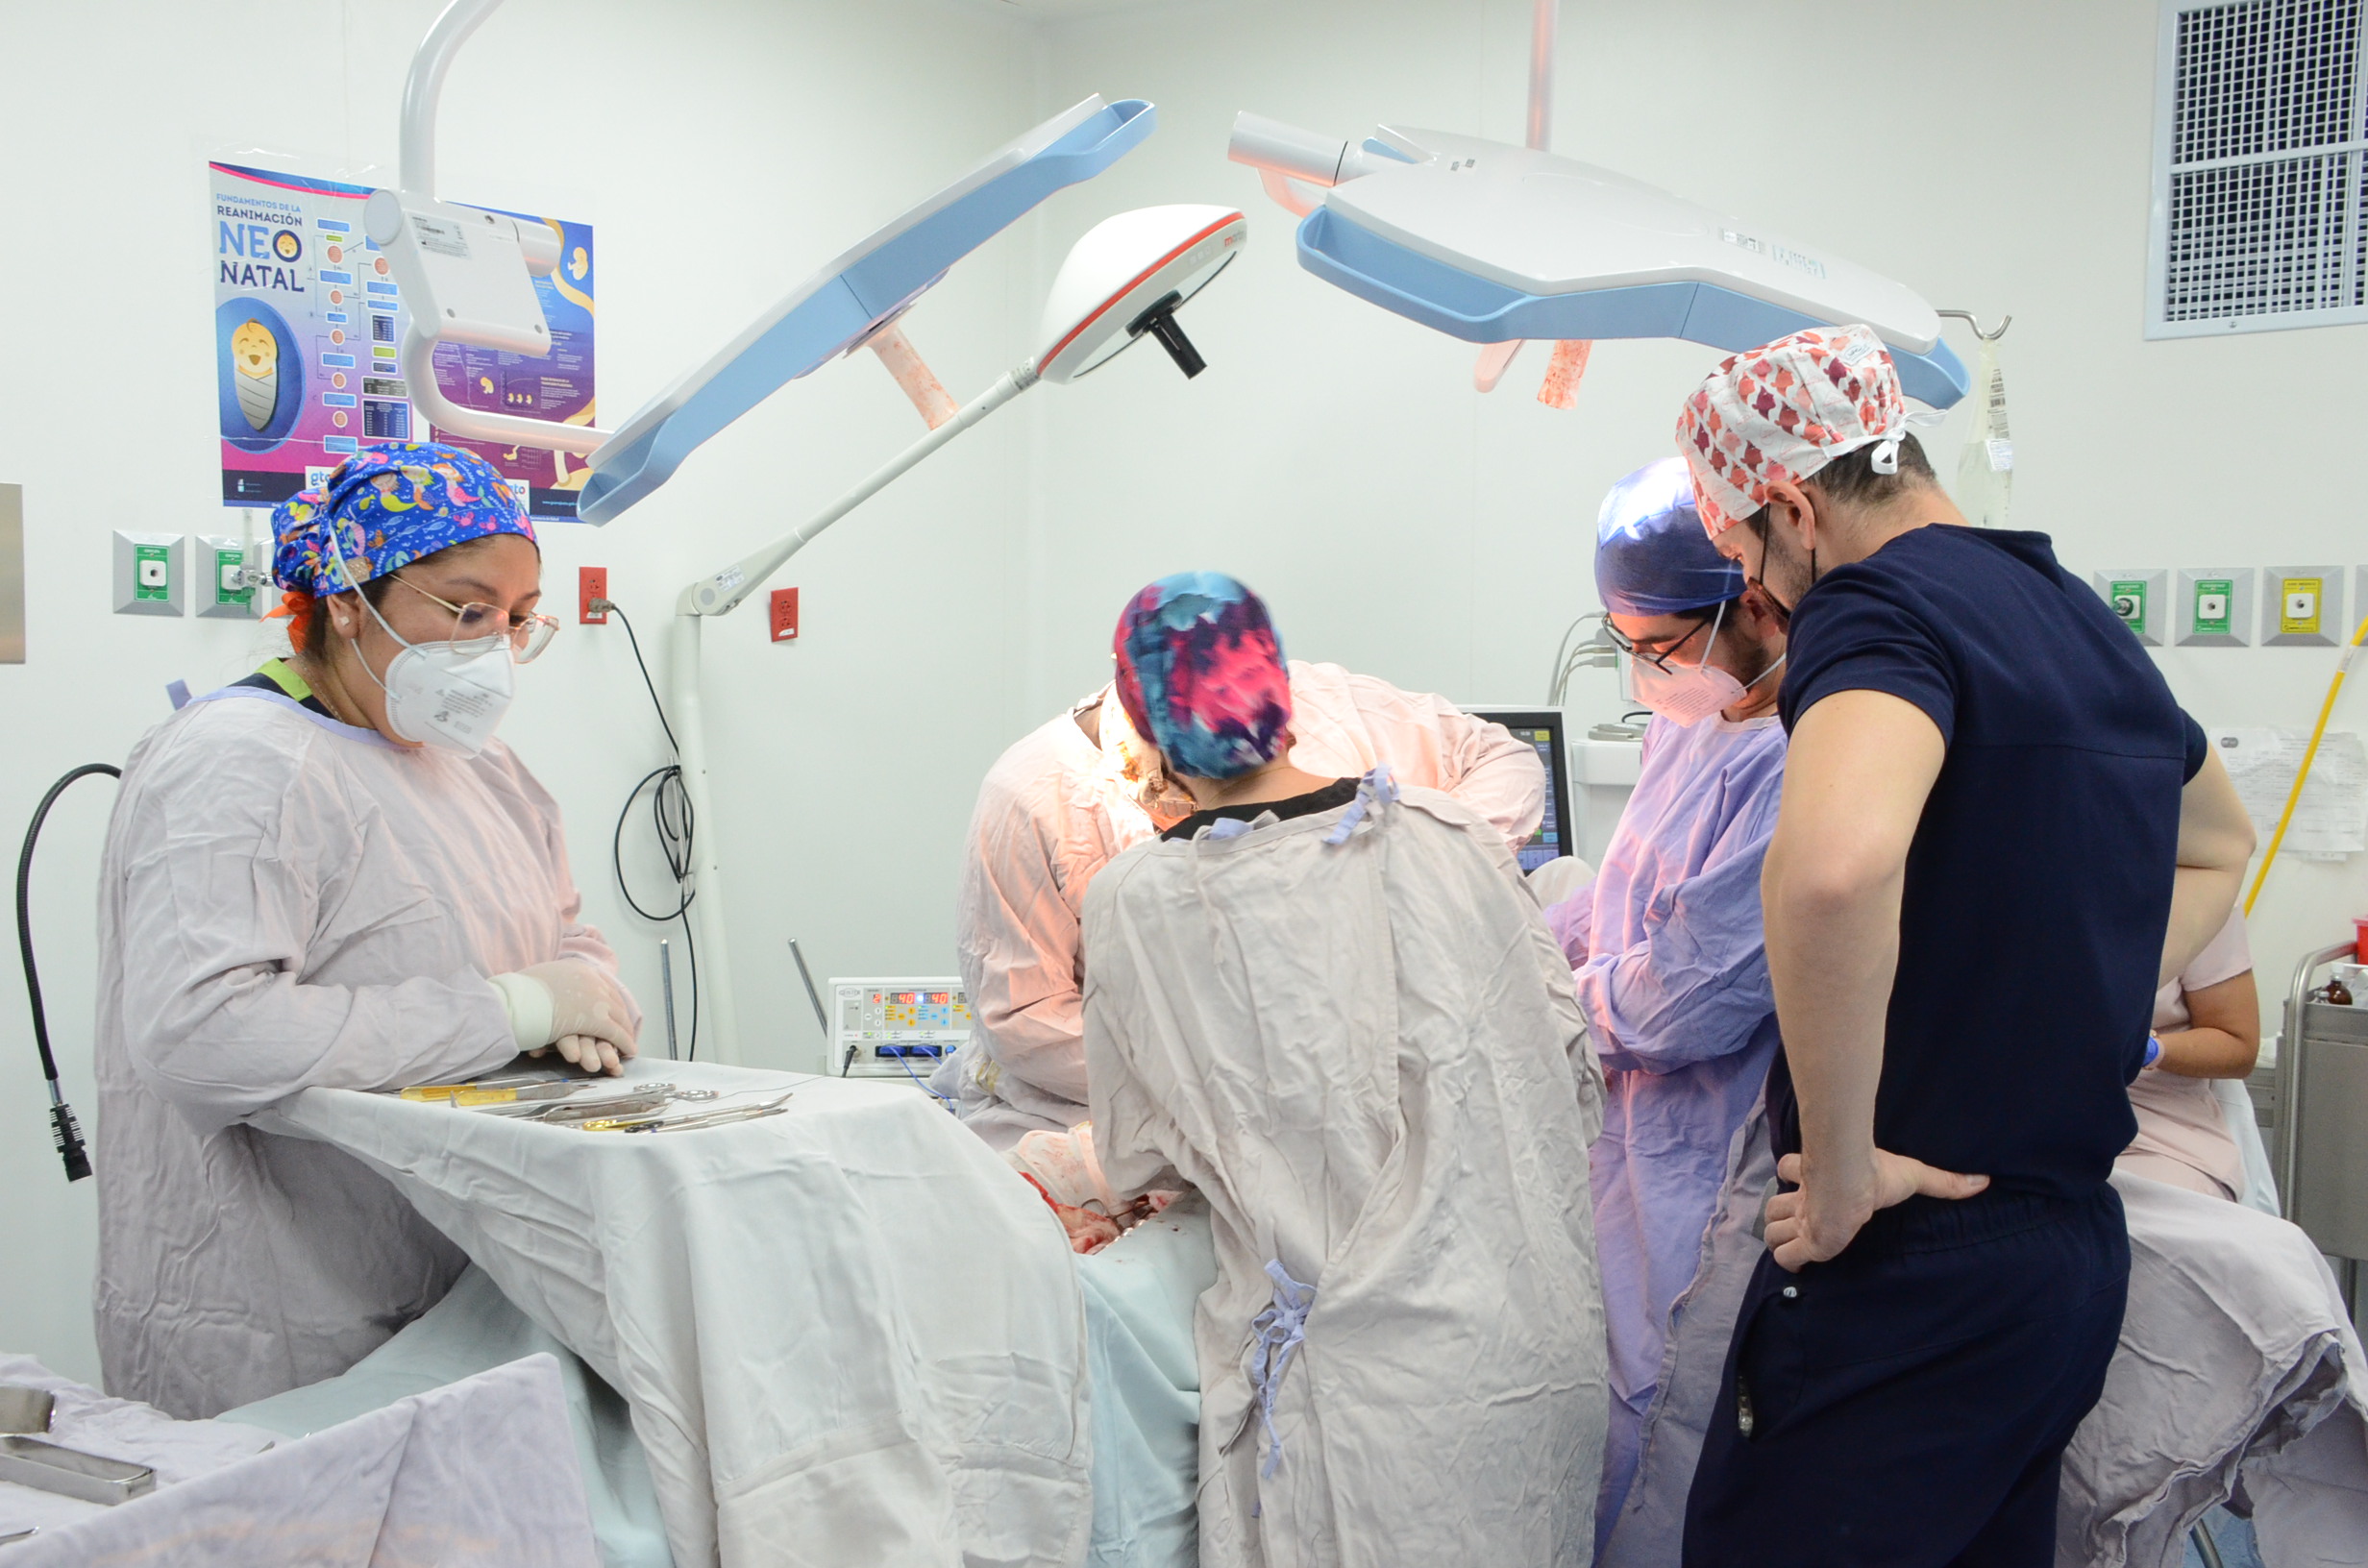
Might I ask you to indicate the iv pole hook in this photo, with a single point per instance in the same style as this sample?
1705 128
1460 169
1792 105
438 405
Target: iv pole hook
1966 316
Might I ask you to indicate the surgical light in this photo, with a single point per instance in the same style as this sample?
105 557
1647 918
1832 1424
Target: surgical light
1091 314
1122 282
468 277
1125 281
1497 244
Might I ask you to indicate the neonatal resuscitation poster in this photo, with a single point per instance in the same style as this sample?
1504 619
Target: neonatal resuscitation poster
308 323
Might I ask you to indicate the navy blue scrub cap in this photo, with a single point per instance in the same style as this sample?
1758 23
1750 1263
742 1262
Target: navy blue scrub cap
1652 556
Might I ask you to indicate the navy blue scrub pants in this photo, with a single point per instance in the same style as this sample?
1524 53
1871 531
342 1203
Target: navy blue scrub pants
1907 1405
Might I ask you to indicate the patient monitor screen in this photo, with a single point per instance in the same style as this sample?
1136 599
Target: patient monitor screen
1544 731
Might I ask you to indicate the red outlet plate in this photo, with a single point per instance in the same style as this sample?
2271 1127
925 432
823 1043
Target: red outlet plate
785 615
591 583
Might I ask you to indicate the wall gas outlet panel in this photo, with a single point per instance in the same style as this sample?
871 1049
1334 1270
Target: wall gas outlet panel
2302 606
2216 606
149 573
221 587
2138 599
884 1025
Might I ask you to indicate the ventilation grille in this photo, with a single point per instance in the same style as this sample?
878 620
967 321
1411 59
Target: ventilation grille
2262 183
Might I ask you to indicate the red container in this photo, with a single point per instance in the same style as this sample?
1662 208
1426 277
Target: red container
2359 941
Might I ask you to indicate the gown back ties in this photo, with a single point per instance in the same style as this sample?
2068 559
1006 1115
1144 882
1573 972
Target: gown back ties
1282 1328
1279 1332
1378 788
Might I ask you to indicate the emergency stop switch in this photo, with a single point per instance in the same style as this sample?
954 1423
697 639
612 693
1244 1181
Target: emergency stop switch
784 615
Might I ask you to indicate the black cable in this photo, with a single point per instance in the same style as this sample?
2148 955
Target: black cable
673 821
690 947
63 1131
618 610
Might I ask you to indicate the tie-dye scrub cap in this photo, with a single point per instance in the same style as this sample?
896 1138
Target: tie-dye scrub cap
1200 674
1785 410
391 505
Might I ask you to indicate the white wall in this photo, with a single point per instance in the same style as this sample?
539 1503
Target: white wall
1332 455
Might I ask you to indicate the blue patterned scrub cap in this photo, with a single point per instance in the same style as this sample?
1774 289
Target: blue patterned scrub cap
391 505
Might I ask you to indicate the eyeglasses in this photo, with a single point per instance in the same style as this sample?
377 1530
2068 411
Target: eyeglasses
1657 657
529 634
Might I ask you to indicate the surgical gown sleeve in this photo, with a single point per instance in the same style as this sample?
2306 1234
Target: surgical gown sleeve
227 1006
577 940
1492 771
1018 946
1344 723
1696 986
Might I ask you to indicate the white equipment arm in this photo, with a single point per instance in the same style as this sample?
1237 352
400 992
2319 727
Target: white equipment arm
485 283
720 594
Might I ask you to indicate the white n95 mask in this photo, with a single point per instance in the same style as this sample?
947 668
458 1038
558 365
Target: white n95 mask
451 695
1686 694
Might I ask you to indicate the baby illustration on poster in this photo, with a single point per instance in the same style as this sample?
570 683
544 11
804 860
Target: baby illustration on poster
308 323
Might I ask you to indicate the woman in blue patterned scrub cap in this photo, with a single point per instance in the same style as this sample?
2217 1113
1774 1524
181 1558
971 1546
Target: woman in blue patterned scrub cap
328 874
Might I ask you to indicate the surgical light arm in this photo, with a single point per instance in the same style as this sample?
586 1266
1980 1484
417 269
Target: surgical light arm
467 276
721 592
1125 281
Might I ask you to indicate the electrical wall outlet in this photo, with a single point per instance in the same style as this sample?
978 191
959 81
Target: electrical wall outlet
784 617
591 583
149 573
2216 606
2302 606
221 588
2137 598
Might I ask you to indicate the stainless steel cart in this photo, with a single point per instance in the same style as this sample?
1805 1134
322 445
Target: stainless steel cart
2320 1120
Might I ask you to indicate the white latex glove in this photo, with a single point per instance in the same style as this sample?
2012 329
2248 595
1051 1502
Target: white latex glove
591 1053
574 1006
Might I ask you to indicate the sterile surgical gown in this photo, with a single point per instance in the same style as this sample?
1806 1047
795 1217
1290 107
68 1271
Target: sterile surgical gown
1054 809
1368 1058
288 902
1673 973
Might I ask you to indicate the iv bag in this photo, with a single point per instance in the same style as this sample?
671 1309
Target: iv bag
1986 471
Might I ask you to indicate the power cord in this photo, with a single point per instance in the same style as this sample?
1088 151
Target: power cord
63 1131
670 819
922 1084
1594 653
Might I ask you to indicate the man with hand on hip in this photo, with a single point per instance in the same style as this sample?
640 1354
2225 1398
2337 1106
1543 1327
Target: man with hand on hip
1998 834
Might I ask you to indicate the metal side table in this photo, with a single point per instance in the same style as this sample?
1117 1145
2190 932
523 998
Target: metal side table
2321 1148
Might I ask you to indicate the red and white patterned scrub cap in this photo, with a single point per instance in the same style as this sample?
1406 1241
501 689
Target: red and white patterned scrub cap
1784 411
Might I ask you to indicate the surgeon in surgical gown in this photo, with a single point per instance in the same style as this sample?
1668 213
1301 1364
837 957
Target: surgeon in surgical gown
313 880
1666 942
1330 1005
1077 789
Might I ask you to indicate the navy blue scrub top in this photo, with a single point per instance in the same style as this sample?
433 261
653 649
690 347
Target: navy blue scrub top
2039 885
